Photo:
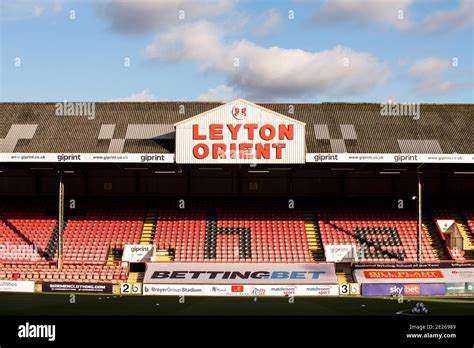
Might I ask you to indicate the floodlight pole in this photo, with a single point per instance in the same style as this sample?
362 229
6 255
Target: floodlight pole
61 220
420 217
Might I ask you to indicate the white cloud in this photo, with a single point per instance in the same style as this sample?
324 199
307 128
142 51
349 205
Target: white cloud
428 75
57 6
272 72
38 11
147 15
26 9
423 68
457 18
142 96
389 13
220 93
270 23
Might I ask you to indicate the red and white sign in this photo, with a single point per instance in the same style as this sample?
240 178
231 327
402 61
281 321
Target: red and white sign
408 274
237 288
414 276
411 289
239 112
240 132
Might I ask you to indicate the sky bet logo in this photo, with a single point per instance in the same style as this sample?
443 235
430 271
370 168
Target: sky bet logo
206 275
396 290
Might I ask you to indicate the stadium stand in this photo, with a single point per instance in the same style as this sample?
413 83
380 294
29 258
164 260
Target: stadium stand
469 214
129 168
464 226
233 235
25 234
377 234
457 254
75 273
181 230
89 238
276 236
94 238
89 242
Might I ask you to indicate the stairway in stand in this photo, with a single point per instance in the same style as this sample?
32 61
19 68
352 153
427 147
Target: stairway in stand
146 238
315 244
434 239
467 234
464 229
149 227
344 278
113 259
135 277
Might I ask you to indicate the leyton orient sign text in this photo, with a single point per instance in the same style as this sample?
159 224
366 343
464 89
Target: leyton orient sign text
265 141
240 132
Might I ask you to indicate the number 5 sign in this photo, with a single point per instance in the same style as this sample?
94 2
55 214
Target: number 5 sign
349 289
130 289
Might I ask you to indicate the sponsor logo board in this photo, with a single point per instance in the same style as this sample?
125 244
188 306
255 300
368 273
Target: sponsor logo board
460 288
455 288
403 289
470 288
238 274
340 253
173 290
17 286
414 276
413 265
101 288
137 253
246 290
403 274
387 158
317 290
88 157
240 151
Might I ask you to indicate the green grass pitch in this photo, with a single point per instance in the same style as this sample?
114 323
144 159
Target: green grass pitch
60 304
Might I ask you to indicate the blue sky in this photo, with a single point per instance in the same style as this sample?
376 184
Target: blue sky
302 51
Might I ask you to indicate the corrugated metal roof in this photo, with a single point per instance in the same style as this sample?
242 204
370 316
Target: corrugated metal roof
321 132
15 133
116 145
106 131
450 125
148 131
348 132
338 145
419 146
